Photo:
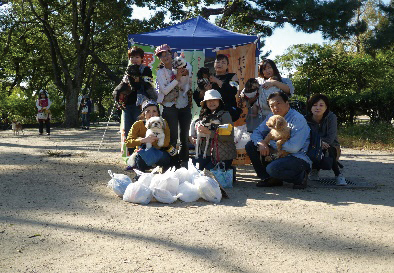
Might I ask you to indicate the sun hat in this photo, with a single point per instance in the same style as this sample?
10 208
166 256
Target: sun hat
162 48
148 103
211 94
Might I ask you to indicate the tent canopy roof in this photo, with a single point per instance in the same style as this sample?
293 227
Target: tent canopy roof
193 34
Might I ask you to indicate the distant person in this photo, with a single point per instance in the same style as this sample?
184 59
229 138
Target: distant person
86 109
136 139
174 93
294 167
270 81
43 103
321 119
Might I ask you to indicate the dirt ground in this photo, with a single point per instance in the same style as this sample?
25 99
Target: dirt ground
57 215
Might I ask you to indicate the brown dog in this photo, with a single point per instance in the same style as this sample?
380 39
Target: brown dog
17 127
279 132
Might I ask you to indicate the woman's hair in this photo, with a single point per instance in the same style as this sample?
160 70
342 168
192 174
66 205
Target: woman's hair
314 99
42 92
142 115
206 111
135 51
262 66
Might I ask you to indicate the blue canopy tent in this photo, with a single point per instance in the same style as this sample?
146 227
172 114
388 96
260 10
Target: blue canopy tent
194 34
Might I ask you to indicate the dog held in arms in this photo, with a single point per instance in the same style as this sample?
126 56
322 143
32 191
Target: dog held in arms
279 132
211 122
155 126
17 127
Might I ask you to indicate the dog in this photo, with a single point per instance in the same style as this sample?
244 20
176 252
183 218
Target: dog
155 126
180 62
203 75
279 132
17 127
211 122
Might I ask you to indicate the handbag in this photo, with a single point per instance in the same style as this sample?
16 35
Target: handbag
223 176
172 95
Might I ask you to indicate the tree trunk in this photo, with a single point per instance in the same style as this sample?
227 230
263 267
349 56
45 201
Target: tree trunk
71 109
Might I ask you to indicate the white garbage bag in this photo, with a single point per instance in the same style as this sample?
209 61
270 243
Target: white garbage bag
188 192
137 193
164 196
209 189
118 183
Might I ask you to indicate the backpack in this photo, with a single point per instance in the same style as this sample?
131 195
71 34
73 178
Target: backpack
315 151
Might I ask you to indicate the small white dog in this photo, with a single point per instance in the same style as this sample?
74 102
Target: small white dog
17 127
155 126
209 122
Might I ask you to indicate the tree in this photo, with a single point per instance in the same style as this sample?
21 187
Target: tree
332 18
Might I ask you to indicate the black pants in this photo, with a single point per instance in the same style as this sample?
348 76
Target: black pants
332 154
47 125
179 117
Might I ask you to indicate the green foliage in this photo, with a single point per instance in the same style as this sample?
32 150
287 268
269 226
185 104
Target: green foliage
377 136
356 83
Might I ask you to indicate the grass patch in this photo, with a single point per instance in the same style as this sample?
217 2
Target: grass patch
58 153
367 136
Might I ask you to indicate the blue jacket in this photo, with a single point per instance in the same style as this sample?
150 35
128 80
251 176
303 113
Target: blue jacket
298 143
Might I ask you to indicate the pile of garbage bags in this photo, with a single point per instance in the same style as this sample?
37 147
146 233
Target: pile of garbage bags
188 185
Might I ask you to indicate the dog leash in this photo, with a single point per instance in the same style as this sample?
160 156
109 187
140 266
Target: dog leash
102 139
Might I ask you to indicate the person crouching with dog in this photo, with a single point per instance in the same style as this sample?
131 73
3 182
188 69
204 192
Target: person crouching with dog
294 165
144 157
212 144
43 103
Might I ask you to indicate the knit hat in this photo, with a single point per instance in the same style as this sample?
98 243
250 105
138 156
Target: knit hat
148 103
211 94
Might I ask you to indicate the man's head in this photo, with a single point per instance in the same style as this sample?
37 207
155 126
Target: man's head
278 103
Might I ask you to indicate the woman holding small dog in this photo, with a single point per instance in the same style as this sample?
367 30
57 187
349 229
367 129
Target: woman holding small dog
43 104
221 146
321 119
270 81
157 155
173 87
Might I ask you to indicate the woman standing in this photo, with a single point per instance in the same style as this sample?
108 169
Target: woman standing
136 138
43 104
172 85
321 119
271 82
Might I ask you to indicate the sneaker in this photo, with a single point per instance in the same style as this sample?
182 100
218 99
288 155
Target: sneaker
314 175
341 181
48 134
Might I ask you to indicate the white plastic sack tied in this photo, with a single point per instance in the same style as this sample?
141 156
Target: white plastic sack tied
164 196
188 192
137 193
241 137
118 183
209 189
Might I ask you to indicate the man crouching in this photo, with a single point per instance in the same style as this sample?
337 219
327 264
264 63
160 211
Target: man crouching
294 167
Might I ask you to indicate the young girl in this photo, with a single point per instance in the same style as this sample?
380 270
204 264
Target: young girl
137 138
223 148
270 82
43 104
86 109
176 107
321 119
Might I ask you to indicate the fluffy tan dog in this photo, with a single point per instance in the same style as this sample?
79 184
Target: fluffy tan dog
279 132
17 127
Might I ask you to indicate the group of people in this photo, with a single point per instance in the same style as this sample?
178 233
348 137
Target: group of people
218 95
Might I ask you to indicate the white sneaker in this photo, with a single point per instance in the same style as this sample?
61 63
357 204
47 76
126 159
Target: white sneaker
314 175
341 181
